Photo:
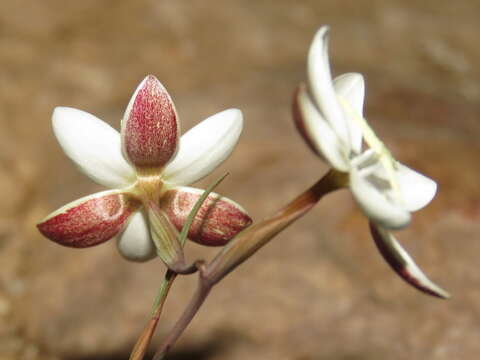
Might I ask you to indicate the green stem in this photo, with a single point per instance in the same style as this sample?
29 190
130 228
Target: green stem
168 280
144 339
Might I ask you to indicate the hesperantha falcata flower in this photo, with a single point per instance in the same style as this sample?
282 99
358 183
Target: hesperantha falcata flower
147 167
329 115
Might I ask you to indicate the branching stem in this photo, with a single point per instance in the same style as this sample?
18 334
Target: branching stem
244 245
181 267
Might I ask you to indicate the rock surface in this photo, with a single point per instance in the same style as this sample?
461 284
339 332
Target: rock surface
320 290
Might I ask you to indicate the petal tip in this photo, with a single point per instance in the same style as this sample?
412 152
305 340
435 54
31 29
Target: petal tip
151 77
134 242
322 32
62 113
320 40
443 294
401 262
235 114
59 109
351 80
417 189
398 222
93 145
151 82
204 147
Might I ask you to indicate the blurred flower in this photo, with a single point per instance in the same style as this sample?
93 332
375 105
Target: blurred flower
147 165
329 115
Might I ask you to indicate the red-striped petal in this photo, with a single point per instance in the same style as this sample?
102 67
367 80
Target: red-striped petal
150 130
218 220
89 221
403 264
299 121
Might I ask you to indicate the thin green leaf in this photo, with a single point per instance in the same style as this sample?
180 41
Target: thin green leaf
196 208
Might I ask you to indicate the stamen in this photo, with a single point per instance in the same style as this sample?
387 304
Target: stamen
385 157
368 157
370 170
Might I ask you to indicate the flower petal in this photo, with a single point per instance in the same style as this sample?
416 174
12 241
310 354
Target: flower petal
351 88
321 86
218 220
135 243
299 119
150 128
375 204
93 145
205 147
317 132
417 189
90 220
403 264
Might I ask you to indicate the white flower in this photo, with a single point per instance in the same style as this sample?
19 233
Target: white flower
329 115
148 167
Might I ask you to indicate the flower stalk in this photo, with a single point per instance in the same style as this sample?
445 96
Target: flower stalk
141 346
249 241
144 339
244 245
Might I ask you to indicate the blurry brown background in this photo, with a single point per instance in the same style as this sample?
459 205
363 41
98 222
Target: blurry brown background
320 290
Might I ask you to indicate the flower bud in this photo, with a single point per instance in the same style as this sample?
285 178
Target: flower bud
150 130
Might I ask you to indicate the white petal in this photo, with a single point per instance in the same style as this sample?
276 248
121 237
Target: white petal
205 147
93 145
403 264
135 243
351 88
321 85
417 189
320 133
375 204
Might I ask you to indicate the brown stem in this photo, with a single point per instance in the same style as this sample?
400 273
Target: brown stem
244 245
203 289
187 269
253 238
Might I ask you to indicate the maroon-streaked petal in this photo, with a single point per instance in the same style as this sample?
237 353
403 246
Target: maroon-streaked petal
300 122
150 129
218 220
90 220
316 131
403 264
